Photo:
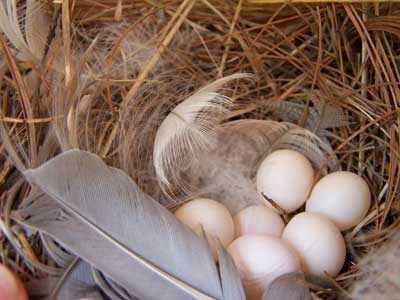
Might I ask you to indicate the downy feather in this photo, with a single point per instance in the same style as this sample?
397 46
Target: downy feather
220 179
260 137
105 219
226 172
188 129
321 116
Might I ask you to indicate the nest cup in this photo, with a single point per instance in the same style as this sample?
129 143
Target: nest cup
102 77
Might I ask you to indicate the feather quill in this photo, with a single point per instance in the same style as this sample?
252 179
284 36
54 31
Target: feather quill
124 233
188 129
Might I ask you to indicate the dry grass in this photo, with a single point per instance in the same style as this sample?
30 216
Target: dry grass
109 97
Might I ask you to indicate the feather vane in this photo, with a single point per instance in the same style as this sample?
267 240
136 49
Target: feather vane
104 218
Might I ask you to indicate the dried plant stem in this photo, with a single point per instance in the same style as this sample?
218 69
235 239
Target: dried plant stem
23 95
237 37
345 54
364 91
30 121
394 170
118 11
66 23
182 12
374 122
229 40
319 1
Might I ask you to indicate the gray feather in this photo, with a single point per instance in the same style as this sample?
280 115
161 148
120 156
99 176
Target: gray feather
78 283
59 255
290 286
258 138
110 288
230 279
121 231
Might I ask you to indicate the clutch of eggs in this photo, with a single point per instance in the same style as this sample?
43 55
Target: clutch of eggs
260 244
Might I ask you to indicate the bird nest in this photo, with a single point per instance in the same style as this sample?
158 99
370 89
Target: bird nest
101 76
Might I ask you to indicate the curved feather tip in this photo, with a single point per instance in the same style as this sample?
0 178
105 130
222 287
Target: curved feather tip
190 128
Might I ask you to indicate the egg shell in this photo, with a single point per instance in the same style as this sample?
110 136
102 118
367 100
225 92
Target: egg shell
318 242
11 286
343 197
258 219
286 177
260 259
212 217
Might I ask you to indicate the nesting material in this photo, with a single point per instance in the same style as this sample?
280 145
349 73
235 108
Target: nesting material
380 269
102 78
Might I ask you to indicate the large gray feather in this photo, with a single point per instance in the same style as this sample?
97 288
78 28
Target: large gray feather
124 233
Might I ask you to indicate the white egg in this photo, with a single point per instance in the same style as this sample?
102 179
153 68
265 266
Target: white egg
318 242
286 177
258 219
343 197
260 259
210 216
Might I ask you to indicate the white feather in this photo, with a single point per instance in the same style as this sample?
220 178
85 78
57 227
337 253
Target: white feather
189 128
28 41
37 27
